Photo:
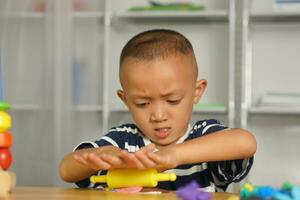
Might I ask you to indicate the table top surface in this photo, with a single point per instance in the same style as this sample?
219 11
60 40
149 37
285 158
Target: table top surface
46 193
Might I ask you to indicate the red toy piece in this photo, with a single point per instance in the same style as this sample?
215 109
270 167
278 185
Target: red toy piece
5 158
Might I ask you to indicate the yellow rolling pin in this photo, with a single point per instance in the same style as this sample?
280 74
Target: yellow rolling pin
119 178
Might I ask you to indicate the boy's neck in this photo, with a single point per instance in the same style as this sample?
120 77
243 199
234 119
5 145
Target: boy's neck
178 141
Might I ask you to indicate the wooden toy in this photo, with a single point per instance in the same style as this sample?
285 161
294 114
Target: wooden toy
7 182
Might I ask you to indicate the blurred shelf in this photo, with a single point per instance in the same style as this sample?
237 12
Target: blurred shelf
24 107
275 16
29 15
84 15
221 110
41 15
275 110
213 15
88 108
119 109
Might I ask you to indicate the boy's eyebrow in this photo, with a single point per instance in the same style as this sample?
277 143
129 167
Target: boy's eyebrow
168 94
140 96
175 92
171 93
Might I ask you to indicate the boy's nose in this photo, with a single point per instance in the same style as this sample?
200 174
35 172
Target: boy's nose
158 115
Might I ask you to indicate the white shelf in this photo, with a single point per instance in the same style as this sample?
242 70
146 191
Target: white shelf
119 109
275 110
88 108
276 16
29 15
222 110
215 14
88 15
24 107
40 15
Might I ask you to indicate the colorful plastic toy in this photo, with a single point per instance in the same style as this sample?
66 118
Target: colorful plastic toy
5 140
287 192
7 179
191 192
129 178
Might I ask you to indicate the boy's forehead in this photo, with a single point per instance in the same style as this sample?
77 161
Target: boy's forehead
170 71
130 64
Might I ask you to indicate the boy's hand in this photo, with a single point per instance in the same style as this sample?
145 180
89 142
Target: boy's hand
161 160
109 157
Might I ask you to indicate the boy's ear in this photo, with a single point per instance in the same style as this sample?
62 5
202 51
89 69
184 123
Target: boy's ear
199 89
122 96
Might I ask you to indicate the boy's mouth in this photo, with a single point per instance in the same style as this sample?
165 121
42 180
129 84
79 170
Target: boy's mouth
162 132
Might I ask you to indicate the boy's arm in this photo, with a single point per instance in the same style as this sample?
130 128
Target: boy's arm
229 144
72 170
83 163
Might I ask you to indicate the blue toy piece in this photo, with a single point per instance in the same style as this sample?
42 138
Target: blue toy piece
295 192
287 192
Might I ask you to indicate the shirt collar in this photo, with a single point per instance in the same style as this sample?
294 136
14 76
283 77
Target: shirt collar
180 140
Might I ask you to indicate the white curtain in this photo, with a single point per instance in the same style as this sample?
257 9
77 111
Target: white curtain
36 43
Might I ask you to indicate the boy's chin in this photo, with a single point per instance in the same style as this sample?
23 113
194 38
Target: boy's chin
164 143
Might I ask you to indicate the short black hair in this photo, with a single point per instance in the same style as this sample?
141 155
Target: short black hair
156 44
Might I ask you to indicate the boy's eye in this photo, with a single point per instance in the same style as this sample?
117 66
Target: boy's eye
141 105
174 102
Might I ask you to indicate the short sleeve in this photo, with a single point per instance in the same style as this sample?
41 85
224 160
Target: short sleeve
118 137
108 139
84 145
226 172
223 172
206 127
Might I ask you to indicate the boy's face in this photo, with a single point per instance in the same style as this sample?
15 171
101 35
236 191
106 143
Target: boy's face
160 95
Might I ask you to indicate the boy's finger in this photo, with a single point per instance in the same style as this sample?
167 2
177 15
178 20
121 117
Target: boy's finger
144 159
80 159
155 158
114 161
148 148
131 160
160 162
96 163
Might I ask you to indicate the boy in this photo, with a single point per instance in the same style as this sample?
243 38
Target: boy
158 75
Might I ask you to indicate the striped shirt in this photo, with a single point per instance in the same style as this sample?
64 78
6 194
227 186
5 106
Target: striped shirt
213 176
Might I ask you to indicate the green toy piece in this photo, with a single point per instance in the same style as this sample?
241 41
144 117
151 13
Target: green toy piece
156 6
287 185
4 106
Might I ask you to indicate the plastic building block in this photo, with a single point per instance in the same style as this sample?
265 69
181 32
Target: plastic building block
287 192
4 106
131 178
287 185
5 140
5 121
191 192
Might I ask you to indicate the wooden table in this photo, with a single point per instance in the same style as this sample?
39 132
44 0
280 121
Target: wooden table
46 193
